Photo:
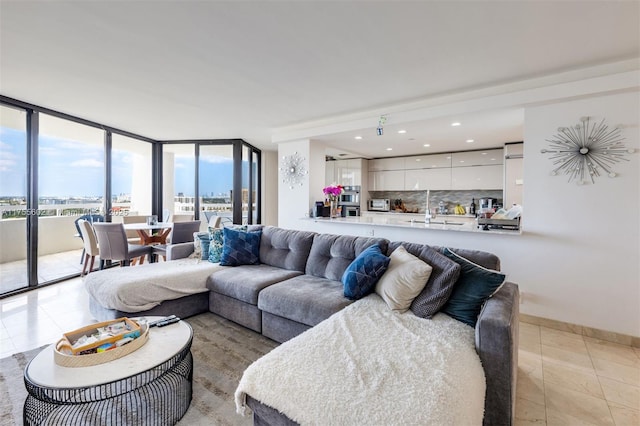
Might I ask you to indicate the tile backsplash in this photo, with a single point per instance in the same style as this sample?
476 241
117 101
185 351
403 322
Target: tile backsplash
417 199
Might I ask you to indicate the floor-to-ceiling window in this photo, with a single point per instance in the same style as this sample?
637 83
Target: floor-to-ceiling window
131 176
215 180
178 178
71 175
13 199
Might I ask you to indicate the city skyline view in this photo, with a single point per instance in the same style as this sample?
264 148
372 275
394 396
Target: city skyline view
70 168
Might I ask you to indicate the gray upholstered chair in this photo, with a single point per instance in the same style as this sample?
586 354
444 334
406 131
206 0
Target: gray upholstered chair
132 236
90 245
182 218
113 244
182 232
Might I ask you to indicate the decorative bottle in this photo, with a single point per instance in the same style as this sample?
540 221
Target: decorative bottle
472 207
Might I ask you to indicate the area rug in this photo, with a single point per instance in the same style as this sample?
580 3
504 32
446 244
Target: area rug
221 350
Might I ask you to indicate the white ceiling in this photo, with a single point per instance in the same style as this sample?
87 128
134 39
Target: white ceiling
212 69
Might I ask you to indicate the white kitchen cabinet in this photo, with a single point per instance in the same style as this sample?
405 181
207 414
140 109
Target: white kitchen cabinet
386 180
330 172
423 179
386 164
477 158
349 172
477 177
513 172
344 172
431 161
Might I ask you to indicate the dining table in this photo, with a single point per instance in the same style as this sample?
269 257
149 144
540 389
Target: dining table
151 234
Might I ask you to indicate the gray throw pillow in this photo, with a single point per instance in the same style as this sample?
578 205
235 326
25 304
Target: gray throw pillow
440 285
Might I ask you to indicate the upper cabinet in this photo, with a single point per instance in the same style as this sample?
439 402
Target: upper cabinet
432 161
422 179
477 177
387 164
468 170
477 158
344 172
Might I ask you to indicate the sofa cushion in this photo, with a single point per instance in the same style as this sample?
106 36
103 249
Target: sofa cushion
404 280
440 285
361 276
284 248
331 254
240 248
245 282
482 258
305 299
475 285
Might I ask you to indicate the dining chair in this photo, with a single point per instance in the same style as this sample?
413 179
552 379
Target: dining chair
113 244
132 235
90 245
182 232
215 222
182 218
91 218
166 215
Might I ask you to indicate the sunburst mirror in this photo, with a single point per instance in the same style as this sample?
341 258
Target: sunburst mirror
293 170
586 150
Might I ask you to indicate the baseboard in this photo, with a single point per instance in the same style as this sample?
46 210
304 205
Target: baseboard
609 336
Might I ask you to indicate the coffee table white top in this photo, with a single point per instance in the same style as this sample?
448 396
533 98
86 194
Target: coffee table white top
163 343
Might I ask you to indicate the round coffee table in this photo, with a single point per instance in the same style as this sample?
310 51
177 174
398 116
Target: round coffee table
150 386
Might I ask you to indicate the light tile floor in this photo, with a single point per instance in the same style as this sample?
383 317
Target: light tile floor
563 378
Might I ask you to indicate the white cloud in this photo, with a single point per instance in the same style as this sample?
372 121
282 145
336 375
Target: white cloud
4 145
87 162
6 164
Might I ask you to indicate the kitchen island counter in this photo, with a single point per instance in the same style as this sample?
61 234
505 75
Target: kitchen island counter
438 224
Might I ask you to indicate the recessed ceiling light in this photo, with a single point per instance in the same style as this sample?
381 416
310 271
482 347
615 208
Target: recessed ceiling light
469 140
389 149
358 137
484 153
418 159
426 145
462 161
412 139
434 165
455 123
448 158
493 159
402 131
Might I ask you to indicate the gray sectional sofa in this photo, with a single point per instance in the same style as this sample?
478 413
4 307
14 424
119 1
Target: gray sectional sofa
298 284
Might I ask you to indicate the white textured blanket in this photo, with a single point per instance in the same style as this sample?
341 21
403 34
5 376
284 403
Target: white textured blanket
368 365
140 288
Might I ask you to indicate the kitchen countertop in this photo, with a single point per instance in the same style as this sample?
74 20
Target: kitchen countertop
466 226
391 212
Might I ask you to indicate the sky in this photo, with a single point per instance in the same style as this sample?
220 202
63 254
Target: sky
71 168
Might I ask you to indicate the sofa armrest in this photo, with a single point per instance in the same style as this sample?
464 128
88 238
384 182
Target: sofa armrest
179 251
497 345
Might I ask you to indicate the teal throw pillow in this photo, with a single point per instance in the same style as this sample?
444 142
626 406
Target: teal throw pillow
203 240
240 247
215 245
361 276
474 286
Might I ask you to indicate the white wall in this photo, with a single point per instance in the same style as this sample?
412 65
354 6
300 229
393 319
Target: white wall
296 203
578 258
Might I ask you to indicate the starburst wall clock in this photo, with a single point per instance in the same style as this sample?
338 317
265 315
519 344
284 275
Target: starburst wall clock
586 150
293 170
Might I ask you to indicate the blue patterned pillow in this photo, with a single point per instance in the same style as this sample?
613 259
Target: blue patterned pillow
240 247
475 285
202 238
361 276
215 245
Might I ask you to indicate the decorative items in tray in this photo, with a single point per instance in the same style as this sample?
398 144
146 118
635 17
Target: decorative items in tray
100 342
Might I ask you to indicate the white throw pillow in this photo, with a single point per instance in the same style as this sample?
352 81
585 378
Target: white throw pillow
405 278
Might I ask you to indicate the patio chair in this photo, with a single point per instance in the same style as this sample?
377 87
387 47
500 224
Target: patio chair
90 245
113 244
91 218
182 232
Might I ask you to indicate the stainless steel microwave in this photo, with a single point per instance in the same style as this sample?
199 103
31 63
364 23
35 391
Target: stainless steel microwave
350 196
379 204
